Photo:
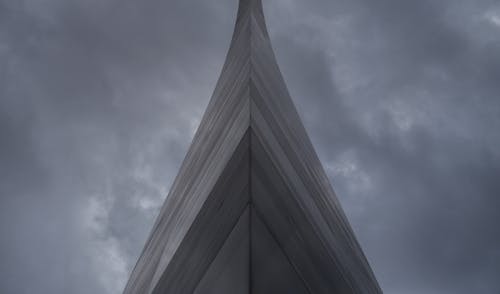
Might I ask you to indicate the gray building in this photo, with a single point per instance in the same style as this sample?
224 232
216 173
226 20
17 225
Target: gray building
251 210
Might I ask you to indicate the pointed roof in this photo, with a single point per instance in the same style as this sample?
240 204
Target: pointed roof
251 193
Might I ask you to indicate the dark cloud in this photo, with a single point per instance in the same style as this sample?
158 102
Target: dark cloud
99 101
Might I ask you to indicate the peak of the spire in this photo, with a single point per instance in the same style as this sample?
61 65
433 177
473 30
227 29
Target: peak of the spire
249 3
250 23
250 10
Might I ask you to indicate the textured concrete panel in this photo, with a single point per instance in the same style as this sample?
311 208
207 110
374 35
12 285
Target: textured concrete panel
287 220
211 228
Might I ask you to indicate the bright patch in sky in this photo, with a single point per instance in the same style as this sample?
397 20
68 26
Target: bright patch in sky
493 17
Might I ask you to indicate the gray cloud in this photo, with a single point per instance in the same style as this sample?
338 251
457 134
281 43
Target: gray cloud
406 120
99 101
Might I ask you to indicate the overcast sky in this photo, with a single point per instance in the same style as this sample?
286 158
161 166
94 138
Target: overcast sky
99 100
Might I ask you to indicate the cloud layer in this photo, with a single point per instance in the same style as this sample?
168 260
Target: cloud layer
99 101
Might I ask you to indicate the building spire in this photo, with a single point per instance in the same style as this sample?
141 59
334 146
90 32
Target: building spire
251 209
